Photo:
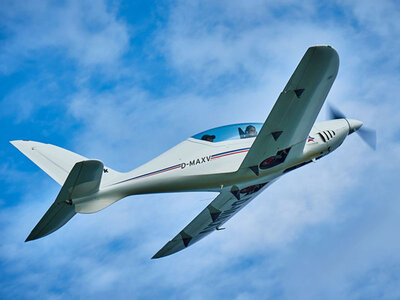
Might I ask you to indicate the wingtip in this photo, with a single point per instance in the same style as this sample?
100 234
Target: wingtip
157 255
32 236
163 253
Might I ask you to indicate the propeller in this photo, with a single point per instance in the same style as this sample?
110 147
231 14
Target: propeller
335 114
367 135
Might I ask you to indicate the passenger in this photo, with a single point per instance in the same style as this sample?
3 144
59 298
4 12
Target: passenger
208 138
251 131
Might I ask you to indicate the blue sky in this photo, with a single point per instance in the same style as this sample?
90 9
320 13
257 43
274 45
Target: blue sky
123 82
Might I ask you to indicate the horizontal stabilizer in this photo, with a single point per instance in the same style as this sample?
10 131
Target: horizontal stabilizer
57 216
83 180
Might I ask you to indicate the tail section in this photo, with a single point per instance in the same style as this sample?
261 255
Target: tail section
83 180
55 161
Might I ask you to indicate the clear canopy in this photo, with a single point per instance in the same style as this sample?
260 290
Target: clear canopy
230 132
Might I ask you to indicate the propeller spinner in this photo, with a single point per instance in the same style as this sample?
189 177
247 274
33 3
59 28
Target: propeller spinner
366 134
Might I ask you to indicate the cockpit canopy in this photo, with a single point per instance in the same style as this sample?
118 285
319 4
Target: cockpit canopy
230 132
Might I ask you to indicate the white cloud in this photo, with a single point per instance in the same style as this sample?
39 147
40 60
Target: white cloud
316 233
89 33
241 40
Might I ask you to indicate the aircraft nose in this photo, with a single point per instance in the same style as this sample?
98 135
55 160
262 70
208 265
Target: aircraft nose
354 125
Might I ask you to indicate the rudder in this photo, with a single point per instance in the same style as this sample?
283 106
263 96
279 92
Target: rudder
56 161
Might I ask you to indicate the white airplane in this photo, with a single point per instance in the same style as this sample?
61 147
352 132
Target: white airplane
239 161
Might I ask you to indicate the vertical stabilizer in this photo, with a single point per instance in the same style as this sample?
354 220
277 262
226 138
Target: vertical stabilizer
55 161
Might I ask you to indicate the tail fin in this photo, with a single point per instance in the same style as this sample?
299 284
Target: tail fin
83 180
55 161
78 176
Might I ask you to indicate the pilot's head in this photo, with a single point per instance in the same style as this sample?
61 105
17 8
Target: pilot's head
251 131
211 138
208 138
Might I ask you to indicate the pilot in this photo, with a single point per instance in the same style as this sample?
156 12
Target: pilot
251 131
208 138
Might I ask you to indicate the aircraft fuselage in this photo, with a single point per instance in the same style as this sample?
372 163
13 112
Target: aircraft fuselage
196 165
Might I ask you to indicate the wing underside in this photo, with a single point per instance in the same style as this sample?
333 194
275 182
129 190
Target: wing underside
296 109
220 210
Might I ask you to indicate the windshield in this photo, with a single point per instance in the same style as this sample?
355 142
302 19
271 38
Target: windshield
230 132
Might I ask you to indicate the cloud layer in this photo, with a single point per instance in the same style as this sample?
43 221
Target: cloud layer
87 77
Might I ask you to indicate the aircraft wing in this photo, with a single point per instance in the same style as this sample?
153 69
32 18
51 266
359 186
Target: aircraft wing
220 210
296 109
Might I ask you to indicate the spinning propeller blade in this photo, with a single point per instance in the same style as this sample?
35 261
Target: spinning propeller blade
366 134
334 114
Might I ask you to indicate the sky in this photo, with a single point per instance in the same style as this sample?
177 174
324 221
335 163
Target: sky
124 81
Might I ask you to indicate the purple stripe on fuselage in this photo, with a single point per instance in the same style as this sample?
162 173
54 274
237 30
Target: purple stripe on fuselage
230 152
215 156
151 173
